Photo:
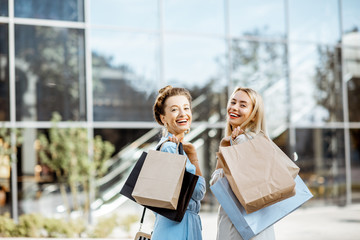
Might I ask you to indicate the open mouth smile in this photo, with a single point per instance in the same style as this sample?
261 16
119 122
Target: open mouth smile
233 115
182 121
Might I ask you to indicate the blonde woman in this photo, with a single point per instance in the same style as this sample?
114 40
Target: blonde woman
172 109
245 115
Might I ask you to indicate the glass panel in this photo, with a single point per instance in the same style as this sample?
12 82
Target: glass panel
124 13
195 16
4 73
129 147
351 57
125 75
316 21
257 18
198 64
315 83
354 99
351 16
262 66
282 141
67 10
322 163
4 8
355 163
50 70
5 170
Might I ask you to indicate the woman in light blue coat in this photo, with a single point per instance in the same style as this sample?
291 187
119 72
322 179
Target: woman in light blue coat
172 109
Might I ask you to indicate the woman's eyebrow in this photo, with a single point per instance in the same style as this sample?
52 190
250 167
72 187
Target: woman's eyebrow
241 101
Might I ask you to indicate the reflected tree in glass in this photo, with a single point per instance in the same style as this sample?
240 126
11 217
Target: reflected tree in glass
119 93
50 70
328 83
4 73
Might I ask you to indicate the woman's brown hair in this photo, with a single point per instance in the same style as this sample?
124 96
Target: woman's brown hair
165 93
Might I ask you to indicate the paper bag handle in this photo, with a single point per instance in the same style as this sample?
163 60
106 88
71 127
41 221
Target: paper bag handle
179 147
142 218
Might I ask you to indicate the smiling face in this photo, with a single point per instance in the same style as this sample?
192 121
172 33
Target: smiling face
239 108
177 115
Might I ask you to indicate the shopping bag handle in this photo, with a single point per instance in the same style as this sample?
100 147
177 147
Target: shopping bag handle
179 147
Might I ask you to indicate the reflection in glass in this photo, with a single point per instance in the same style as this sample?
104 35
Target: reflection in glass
315 83
125 76
257 18
322 162
124 13
202 16
355 163
353 86
50 70
129 145
198 64
4 73
4 8
350 15
261 66
316 21
67 10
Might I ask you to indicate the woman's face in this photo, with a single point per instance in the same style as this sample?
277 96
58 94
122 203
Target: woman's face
239 108
177 115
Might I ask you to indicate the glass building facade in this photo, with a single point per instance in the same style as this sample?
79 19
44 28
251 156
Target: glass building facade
100 63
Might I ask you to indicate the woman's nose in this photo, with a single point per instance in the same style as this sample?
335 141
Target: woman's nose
181 112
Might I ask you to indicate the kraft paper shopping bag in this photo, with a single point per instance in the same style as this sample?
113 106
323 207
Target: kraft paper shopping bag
249 225
187 189
160 179
258 173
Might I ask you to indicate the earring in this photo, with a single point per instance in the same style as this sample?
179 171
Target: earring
165 130
187 131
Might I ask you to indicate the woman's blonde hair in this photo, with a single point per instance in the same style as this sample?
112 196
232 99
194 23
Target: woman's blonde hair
256 121
165 93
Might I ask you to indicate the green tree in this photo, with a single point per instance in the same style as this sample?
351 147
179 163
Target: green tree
65 151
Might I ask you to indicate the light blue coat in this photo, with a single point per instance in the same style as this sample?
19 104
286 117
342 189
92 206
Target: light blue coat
190 226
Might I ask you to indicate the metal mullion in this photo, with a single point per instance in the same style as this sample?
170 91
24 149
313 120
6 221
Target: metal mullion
162 80
345 106
4 19
89 104
228 45
49 23
11 37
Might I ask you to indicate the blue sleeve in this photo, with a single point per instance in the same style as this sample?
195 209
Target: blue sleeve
169 147
200 189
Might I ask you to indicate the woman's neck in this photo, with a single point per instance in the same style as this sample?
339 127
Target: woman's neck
179 136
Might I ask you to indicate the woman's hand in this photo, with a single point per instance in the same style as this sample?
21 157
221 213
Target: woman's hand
191 153
190 150
236 132
174 139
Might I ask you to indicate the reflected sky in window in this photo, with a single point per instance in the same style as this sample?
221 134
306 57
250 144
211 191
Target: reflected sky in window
138 52
315 21
200 16
192 61
141 14
257 18
351 15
